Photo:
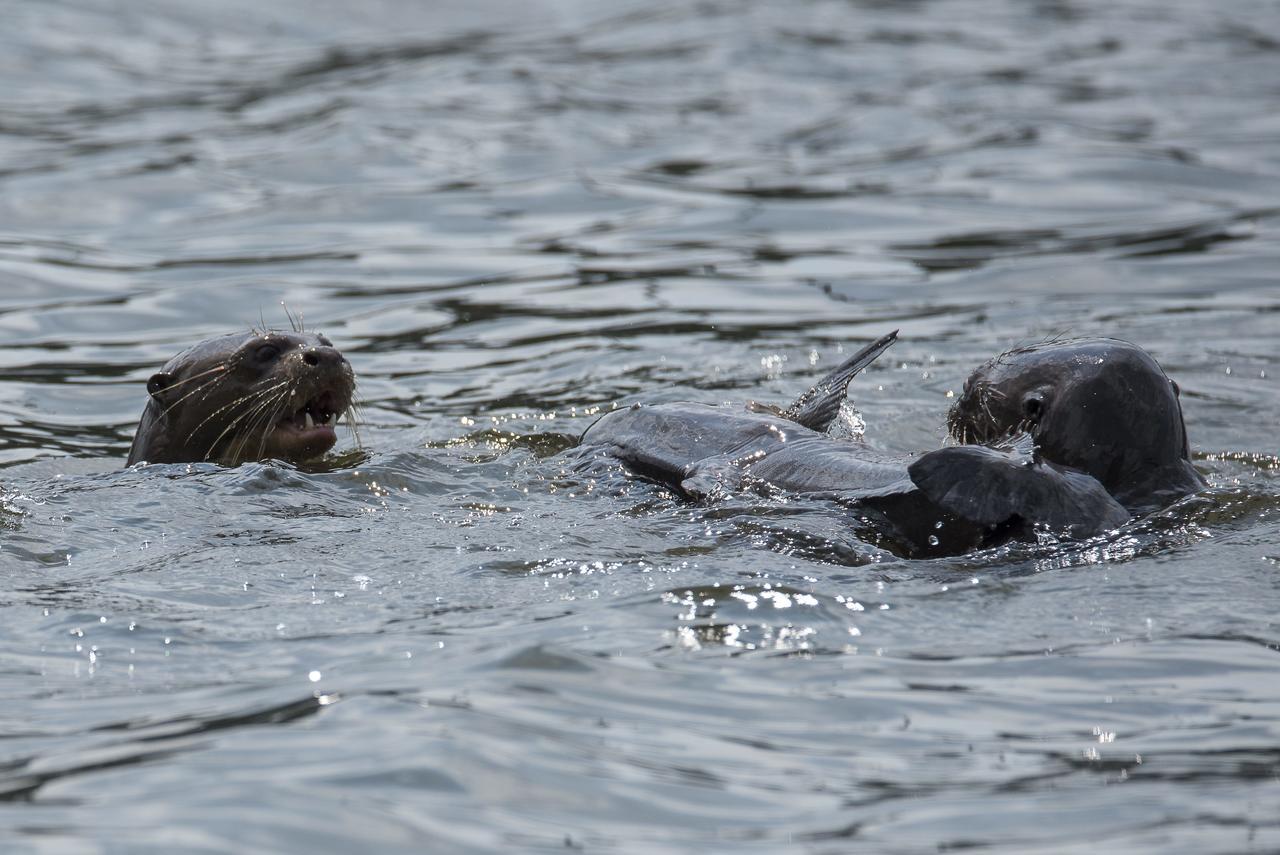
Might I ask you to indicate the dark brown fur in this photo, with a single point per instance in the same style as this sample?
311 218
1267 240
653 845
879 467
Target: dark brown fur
1101 406
245 396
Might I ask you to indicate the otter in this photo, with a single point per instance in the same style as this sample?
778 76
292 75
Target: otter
246 396
1069 439
1100 406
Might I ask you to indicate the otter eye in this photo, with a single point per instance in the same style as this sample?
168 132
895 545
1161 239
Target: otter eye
266 353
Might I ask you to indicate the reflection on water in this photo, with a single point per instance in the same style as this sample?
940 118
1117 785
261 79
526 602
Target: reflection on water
513 217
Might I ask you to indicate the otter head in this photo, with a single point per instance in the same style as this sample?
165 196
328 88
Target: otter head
246 396
1101 406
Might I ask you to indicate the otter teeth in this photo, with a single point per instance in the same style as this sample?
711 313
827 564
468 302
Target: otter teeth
307 420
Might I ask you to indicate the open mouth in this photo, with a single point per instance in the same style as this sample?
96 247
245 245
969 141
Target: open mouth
316 418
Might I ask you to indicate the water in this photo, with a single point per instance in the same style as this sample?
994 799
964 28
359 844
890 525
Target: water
514 216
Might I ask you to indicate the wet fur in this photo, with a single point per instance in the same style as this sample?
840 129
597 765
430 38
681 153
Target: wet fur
212 402
1103 407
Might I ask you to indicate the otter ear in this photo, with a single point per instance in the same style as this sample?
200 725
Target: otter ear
1177 390
158 383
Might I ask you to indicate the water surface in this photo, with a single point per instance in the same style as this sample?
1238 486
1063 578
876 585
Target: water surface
512 217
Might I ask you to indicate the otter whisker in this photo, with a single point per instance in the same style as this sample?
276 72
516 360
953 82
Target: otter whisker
293 322
203 390
352 413
262 395
263 418
253 410
209 452
221 366
237 402
242 399
207 385
272 417
985 400
271 412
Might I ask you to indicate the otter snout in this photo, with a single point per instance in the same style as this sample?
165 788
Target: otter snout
318 356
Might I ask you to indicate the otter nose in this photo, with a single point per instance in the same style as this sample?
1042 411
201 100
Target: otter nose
322 356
